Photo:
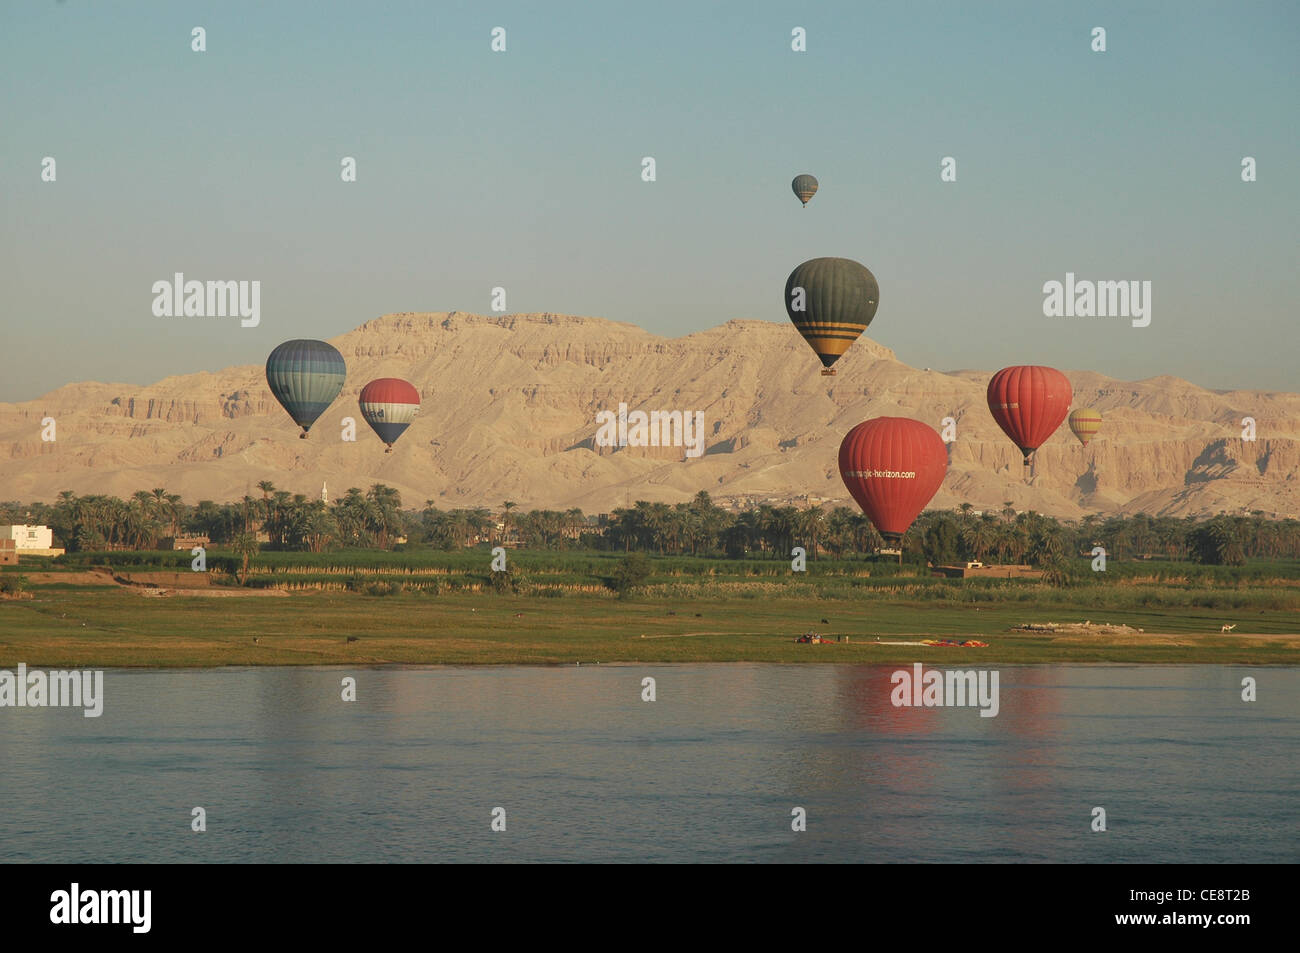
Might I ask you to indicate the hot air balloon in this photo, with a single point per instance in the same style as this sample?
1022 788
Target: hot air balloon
1085 422
892 467
305 376
831 301
389 405
1029 403
804 186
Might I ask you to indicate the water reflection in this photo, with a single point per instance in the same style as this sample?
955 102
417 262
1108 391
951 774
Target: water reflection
710 771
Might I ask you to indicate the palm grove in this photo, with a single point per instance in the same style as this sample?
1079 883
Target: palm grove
375 519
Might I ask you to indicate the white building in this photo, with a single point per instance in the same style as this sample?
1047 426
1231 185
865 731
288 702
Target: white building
28 537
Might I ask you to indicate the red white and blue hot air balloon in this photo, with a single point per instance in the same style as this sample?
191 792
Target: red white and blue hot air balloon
389 405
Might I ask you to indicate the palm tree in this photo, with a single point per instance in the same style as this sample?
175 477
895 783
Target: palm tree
1011 542
574 523
158 505
267 488
1046 545
865 537
508 505
318 526
174 512
351 511
245 545
981 536
658 524
385 516
837 536
460 526
276 523
809 525
63 518
140 518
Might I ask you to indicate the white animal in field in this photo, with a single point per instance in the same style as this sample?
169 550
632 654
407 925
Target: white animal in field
1228 628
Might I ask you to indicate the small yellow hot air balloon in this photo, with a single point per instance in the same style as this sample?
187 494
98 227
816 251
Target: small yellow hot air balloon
1085 422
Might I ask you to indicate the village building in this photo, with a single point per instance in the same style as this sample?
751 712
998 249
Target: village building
183 542
31 540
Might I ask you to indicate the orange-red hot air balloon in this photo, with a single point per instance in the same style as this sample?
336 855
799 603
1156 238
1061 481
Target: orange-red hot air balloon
892 466
1029 402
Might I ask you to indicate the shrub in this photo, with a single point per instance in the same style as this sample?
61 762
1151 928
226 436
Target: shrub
631 572
381 588
12 584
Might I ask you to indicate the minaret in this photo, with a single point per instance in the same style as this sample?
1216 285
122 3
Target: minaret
324 493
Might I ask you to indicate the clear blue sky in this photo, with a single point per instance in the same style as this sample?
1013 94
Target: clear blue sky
522 170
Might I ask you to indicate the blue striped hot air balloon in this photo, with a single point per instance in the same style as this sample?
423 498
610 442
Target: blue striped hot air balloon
305 376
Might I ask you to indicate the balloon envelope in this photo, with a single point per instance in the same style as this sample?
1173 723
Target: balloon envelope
839 299
305 376
1029 402
892 467
1084 423
804 186
389 405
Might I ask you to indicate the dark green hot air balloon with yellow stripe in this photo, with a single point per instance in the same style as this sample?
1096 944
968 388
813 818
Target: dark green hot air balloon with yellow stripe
831 301
804 186
305 376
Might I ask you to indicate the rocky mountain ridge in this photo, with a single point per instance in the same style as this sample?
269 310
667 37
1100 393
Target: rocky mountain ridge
509 412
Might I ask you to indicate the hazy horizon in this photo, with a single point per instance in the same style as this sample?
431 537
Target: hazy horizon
522 169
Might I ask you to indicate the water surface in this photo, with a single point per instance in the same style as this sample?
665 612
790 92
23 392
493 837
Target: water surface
710 771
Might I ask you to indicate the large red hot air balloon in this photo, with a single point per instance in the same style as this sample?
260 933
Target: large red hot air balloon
892 466
1029 403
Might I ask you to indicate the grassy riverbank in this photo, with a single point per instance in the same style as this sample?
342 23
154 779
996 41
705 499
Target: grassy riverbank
76 625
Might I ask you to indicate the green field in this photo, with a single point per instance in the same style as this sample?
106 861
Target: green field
71 627
436 607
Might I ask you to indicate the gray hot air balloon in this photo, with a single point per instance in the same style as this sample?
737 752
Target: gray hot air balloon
831 301
804 186
305 376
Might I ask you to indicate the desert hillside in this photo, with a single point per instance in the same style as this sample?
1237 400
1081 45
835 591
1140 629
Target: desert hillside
509 412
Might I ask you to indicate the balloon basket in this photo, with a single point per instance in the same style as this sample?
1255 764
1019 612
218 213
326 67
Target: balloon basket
828 372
